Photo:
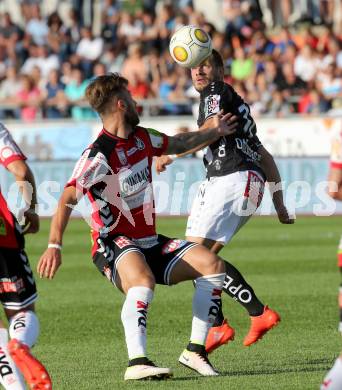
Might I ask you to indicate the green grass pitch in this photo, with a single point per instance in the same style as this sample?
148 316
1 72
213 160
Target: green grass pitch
292 268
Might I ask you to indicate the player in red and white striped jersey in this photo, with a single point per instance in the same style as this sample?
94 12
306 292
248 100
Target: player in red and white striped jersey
335 191
17 286
115 174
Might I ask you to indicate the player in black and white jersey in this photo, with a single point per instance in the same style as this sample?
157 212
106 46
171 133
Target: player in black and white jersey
237 167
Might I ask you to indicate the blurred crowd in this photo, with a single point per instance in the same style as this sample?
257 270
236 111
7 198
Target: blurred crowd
281 59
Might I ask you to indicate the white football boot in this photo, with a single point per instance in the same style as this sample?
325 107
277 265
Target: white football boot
197 361
147 371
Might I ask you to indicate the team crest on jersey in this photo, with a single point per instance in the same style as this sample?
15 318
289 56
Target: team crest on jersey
122 156
211 105
139 143
8 285
122 241
173 245
217 164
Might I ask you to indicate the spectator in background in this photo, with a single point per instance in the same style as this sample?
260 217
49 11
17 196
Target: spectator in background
55 33
306 64
264 94
28 98
88 50
66 73
139 88
283 42
36 76
72 33
312 102
329 83
134 67
99 69
235 21
31 60
242 66
109 31
46 61
36 26
56 103
279 106
10 35
166 24
173 91
113 58
262 43
288 82
129 29
75 93
9 89
149 36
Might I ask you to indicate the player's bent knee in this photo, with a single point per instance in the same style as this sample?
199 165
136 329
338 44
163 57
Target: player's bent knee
142 281
216 264
210 264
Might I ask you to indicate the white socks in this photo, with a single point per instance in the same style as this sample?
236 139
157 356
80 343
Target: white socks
205 306
10 377
134 319
24 327
333 379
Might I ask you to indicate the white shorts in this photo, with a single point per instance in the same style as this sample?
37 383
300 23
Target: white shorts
224 204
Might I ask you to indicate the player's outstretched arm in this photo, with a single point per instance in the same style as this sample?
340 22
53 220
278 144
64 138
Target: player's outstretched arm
187 142
51 258
272 174
162 162
25 181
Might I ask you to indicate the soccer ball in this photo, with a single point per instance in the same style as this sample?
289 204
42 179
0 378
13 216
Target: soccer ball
189 46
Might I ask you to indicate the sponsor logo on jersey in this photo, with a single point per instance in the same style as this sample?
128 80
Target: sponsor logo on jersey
131 151
242 144
121 156
211 105
173 245
122 242
134 179
3 230
11 285
139 143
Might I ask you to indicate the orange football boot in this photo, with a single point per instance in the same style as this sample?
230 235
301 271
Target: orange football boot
261 325
32 369
219 335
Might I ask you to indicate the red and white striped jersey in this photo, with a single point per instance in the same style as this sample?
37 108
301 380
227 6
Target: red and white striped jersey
336 147
115 174
9 152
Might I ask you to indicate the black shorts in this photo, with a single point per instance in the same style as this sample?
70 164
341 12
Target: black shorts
17 284
161 257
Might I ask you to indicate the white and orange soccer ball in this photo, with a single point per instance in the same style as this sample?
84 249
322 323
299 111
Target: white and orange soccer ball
189 46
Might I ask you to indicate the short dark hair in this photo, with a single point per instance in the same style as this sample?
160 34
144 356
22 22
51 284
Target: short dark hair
101 92
216 60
